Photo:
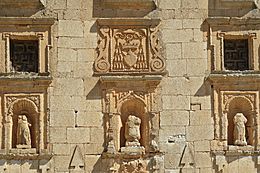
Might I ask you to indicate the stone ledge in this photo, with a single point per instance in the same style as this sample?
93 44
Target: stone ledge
216 21
128 4
25 154
234 76
237 3
128 22
151 78
30 79
22 3
26 21
237 153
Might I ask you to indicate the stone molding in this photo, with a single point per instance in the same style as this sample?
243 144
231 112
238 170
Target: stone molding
128 46
128 4
22 3
236 3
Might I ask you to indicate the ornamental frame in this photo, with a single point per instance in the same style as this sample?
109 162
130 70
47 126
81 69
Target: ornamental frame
128 46
26 29
251 47
22 36
26 102
221 28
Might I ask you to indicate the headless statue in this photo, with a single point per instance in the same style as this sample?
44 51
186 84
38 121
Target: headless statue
240 129
132 131
23 132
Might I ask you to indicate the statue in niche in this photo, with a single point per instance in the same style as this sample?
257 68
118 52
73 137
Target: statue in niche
240 129
23 132
132 131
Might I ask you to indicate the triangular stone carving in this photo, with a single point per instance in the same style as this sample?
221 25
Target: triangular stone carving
77 162
187 159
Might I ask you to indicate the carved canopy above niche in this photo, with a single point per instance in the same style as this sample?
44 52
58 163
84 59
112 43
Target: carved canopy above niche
22 3
128 46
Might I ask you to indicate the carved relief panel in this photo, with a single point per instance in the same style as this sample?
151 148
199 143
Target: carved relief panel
128 46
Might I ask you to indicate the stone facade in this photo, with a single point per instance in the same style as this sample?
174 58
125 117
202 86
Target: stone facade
129 86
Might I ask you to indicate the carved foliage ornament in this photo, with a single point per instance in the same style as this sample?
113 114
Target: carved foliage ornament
129 46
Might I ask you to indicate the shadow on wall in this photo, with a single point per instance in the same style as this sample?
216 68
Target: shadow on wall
10 8
95 92
123 8
101 165
204 90
230 8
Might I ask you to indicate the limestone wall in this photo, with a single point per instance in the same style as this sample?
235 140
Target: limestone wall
80 104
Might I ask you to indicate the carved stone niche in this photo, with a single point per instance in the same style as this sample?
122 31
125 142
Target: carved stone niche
25 124
236 120
128 46
126 4
131 111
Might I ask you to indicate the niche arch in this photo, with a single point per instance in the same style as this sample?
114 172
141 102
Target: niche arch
240 104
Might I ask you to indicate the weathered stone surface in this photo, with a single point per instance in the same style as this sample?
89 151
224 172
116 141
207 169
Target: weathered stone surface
163 61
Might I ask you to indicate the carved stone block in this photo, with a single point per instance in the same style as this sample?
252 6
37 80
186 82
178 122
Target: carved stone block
129 46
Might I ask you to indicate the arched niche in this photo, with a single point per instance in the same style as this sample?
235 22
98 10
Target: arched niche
240 105
134 107
29 109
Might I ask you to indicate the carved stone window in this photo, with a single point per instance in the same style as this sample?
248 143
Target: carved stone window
26 50
236 54
24 55
128 46
233 47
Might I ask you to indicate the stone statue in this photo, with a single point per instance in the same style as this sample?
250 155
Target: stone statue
23 132
240 129
132 131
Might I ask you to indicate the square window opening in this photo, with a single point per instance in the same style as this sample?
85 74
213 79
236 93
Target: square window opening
24 55
236 56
